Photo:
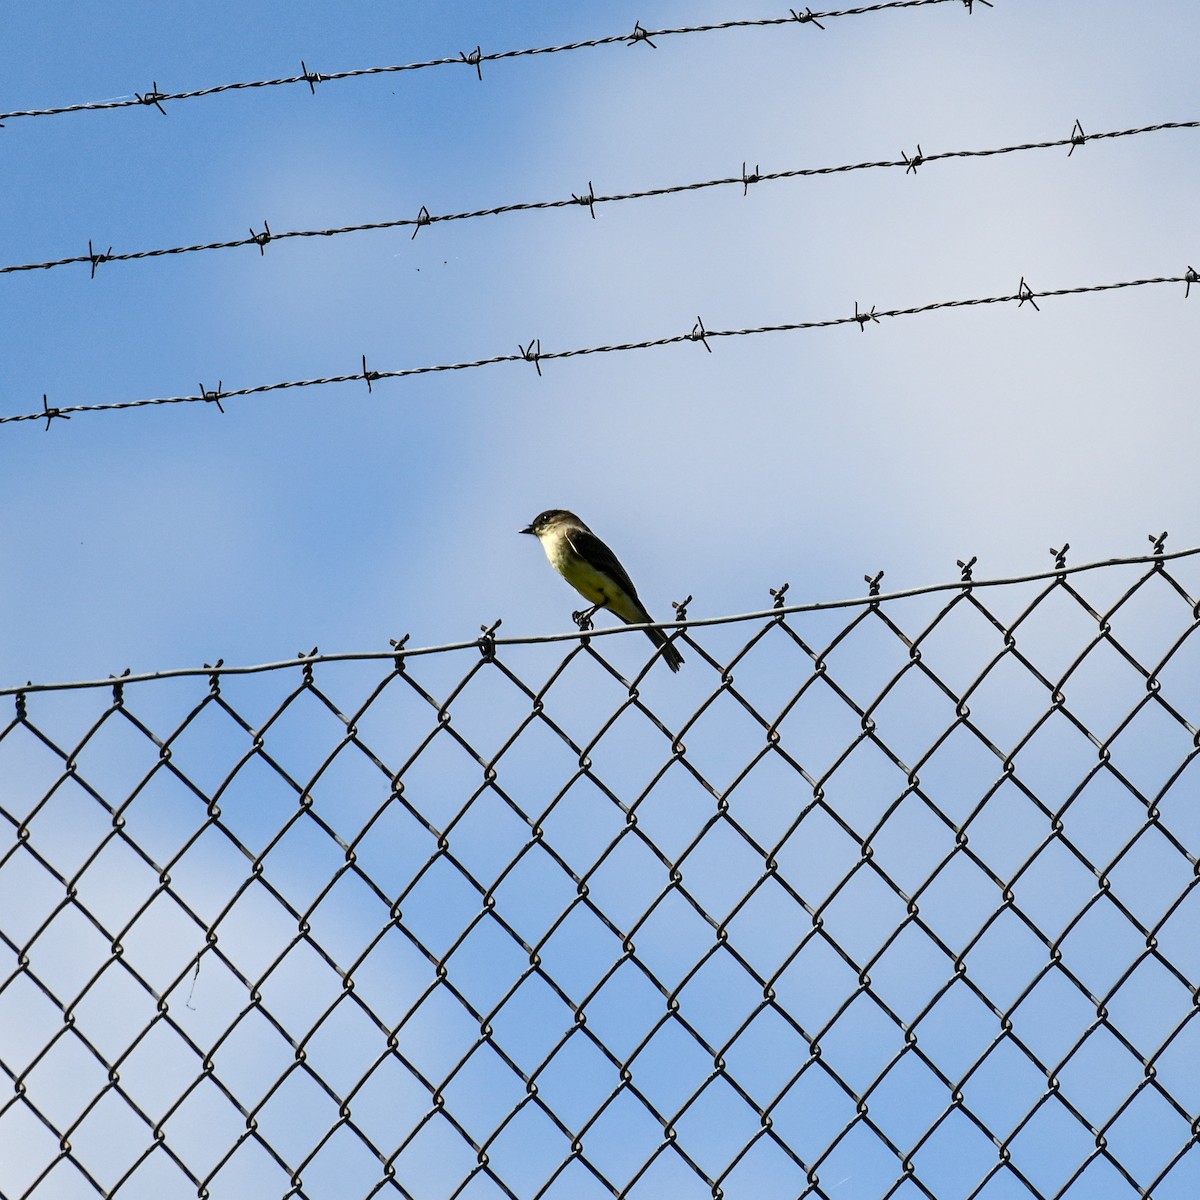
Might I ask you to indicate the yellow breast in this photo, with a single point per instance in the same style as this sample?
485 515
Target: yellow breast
580 574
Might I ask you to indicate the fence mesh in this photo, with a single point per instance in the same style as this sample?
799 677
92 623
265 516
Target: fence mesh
896 898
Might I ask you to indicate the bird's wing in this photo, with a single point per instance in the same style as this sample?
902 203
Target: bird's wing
589 547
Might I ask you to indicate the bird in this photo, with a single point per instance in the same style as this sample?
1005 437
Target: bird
592 569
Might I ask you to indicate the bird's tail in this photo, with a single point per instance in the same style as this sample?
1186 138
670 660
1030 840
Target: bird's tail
672 656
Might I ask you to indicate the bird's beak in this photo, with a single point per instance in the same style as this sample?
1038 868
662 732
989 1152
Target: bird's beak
527 529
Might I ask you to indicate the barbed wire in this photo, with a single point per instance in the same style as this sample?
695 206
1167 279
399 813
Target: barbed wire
590 199
476 58
489 641
534 355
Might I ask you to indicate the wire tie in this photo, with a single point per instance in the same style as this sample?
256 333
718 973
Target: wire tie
423 218
214 678
966 567
50 413
212 397
306 665
640 35
474 59
1025 293
1078 137
807 17
487 643
1159 541
778 594
1190 278
700 334
1060 556
971 3
747 180
681 607
529 354
872 582
152 97
589 199
261 239
97 259
911 164
398 645
368 375
863 317
312 78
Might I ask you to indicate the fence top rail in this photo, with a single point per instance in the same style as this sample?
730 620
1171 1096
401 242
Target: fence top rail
489 641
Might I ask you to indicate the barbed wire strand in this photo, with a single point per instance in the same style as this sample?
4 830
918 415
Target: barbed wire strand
401 651
589 199
534 355
476 58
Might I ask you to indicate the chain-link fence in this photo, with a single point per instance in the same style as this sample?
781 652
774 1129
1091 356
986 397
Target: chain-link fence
896 897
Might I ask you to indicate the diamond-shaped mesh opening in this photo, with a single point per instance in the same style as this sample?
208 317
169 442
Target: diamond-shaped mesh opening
1051 1146
819 727
1146 621
1055 631
1002 1087
955 1157
900 900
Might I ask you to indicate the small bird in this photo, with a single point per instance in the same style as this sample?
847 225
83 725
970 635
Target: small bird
592 569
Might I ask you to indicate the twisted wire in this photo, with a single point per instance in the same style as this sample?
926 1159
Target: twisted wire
474 59
589 199
534 355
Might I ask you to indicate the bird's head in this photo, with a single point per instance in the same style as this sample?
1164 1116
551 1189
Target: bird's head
552 519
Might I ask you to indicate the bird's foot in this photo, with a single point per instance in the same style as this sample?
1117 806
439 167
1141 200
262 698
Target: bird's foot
584 619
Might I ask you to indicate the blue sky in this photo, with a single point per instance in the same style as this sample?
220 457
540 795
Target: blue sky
167 537
171 536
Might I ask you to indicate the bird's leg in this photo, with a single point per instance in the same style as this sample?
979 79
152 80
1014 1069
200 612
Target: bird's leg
584 619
